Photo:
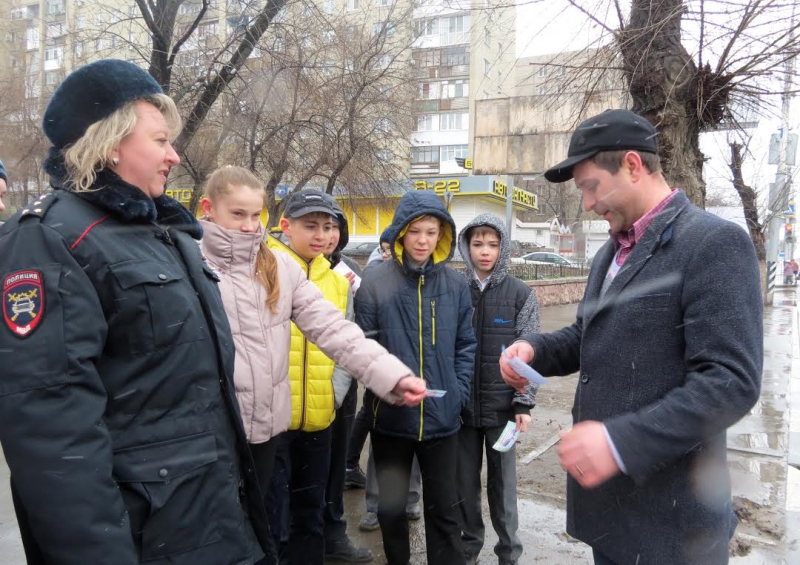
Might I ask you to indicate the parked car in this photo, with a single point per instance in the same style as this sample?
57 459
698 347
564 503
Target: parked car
362 249
546 258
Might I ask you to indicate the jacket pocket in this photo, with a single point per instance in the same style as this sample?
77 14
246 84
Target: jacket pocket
169 491
154 306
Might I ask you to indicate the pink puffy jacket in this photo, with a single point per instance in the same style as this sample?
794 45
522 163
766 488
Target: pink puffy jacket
262 339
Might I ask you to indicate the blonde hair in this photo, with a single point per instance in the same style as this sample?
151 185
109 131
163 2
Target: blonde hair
90 154
221 183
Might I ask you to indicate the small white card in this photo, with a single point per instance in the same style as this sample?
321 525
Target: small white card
343 269
524 370
435 393
507 439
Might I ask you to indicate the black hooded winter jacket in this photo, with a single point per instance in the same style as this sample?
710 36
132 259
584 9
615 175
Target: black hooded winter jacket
423 316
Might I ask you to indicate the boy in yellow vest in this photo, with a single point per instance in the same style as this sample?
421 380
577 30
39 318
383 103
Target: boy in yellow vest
297 494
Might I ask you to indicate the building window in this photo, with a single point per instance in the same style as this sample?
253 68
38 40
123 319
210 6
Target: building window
133 11
383 125
427 155
450 152
329 6
543 71
425 123
454 121
209 29
189 8
383 2
388 26
423 28
455 89
487 37
427 58
452 56
487 66
427 91
53 53
32 38
454 30
80 22
51 78
55 7
384 62
352 5
98 19
55 30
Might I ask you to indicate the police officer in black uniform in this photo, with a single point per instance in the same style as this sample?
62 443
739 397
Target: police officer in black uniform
117 413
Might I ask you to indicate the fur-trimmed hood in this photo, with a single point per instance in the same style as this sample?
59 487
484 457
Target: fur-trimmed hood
501 268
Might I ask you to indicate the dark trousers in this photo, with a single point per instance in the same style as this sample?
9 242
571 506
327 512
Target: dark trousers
264 461
600 559
358 437
335 524
501 488
296 500
437 461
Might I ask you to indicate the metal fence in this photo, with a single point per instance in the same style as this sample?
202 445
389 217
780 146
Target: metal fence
535 271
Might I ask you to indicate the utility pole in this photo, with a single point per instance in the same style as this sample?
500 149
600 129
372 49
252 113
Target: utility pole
780 190
509 205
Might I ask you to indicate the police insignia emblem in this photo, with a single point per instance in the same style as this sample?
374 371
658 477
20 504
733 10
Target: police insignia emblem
23 302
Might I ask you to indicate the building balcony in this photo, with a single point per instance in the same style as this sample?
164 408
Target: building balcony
424 169
427 106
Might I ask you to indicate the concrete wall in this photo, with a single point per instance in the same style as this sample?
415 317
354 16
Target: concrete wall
527 134
559 291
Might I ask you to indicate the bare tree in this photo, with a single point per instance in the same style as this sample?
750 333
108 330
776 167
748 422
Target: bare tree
320 107
749 198
695 65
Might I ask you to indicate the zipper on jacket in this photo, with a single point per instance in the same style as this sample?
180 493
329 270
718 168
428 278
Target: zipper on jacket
375 404
421 345
433 317
305 367
476 378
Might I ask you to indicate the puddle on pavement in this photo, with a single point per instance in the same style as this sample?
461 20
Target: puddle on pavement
763 441
757 480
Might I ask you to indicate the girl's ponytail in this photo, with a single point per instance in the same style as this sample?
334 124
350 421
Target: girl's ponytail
267 274
220 183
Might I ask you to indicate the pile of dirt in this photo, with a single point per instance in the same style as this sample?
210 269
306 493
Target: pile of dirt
759 516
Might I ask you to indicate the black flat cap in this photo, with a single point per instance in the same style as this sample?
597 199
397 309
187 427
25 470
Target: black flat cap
613 130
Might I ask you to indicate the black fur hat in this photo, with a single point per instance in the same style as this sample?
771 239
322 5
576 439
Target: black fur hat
88 95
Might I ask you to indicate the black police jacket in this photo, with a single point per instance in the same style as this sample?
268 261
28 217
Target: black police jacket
117 411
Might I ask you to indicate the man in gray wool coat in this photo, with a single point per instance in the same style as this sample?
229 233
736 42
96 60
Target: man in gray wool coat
668 341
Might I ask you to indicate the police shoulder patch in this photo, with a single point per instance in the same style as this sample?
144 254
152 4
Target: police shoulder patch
23 302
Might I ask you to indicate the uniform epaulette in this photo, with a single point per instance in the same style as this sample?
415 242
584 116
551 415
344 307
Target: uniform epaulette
39 207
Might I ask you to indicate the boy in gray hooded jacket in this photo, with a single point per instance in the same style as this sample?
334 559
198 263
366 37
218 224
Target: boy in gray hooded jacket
505 307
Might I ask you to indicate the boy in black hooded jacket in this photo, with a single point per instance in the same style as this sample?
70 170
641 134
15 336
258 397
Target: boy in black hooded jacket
420 310
505 307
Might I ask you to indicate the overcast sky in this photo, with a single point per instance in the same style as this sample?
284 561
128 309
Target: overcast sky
554 26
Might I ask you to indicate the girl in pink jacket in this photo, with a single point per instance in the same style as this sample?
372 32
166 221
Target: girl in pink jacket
263 292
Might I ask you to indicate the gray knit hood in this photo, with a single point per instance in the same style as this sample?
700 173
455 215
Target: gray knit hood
501 268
